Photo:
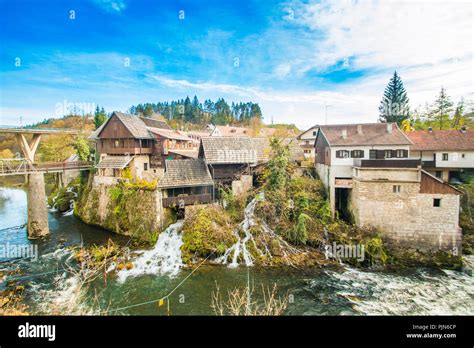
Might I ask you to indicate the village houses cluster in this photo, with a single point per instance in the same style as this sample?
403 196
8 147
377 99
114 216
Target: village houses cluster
375 174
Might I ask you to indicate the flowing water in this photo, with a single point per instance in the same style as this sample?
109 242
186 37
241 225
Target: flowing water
50 289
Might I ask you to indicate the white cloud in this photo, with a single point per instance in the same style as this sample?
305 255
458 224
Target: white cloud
111 5
387 34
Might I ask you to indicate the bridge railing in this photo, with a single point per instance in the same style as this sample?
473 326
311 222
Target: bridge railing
22 166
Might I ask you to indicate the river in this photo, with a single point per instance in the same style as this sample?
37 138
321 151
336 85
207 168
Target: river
344 291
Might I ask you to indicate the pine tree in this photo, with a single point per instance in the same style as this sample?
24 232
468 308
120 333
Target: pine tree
394 105
99 117
442 108
458 118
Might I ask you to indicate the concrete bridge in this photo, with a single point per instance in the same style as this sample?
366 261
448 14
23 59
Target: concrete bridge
37 208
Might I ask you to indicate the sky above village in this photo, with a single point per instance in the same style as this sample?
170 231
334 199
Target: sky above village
292 57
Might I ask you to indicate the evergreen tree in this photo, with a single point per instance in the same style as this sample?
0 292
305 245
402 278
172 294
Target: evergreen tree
441 109
99 117
394 105
458 118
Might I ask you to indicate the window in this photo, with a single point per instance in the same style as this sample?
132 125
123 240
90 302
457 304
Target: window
388 153
145 166
307 142
397 188
463 155
438 174
357 154
400 154
436 202
342 154
445 157
373 154
314 132
117 143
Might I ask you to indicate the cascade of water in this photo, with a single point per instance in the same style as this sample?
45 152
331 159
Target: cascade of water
239 249
164 258
72 202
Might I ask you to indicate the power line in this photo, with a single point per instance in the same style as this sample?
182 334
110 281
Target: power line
161 298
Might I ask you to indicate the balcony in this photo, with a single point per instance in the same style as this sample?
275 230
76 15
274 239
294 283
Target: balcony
387 163
186 200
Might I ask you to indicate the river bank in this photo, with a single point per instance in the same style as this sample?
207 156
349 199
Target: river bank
340 290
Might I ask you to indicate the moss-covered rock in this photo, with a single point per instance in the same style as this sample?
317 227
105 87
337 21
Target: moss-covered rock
206 231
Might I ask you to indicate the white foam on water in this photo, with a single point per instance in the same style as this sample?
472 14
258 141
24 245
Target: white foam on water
376 293
163 259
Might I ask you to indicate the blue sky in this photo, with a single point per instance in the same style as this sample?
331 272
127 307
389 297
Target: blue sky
292 57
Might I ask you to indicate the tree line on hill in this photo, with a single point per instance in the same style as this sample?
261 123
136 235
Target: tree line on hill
195 112
440 114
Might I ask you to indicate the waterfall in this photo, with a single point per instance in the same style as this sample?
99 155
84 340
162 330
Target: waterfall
72 202
163 259
240 248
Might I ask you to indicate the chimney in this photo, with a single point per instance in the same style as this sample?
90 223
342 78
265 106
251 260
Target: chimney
344 133
389 127
430 129
359 129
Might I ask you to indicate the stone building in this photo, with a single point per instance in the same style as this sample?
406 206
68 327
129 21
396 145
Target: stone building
372 182
411 207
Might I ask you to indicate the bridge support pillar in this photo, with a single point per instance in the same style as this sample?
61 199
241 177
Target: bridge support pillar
37 208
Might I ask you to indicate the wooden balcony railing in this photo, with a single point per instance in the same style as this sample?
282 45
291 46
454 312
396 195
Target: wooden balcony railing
186 200
387 163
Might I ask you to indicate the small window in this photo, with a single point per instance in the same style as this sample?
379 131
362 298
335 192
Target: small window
314 132
437 202
445 157
400 154
342 154
145 166
397 188
117 143
438 174
388 153
463 155
373 154
358 154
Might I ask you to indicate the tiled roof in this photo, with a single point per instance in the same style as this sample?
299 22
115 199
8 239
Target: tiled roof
296 151
115 162
151 122
185 172
442 140
134 124
231 131
169 134
370 134
221 150
185 153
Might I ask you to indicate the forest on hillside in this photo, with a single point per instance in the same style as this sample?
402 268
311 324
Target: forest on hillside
195 112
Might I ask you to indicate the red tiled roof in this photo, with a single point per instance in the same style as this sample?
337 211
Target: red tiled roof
364 134
441 140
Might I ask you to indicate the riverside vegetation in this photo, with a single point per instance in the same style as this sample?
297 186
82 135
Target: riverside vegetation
290 224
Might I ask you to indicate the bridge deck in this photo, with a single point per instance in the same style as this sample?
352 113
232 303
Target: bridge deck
22 167
20 130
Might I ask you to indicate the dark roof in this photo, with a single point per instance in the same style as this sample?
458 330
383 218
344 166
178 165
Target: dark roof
222 150
371 134
151 122
134 124
442 140
185 172
116 162
169 134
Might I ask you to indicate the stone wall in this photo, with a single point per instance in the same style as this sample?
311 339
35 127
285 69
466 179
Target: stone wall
407 218
243 185
140 213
